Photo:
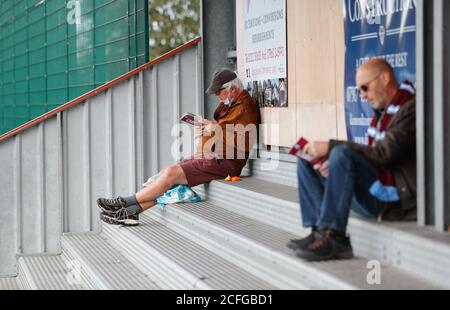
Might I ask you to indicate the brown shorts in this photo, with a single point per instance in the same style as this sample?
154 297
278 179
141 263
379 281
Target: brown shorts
201 171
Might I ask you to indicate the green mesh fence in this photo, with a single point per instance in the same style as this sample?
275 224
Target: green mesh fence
52 51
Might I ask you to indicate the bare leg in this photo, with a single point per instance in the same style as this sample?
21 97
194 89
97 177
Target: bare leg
169 177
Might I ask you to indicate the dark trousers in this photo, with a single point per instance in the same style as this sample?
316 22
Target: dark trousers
326 202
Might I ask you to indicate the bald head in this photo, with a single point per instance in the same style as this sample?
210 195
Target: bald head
375 67
377 83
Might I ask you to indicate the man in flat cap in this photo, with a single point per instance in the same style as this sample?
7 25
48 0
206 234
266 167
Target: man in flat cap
219 154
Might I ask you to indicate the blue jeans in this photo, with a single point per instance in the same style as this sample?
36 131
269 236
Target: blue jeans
326 202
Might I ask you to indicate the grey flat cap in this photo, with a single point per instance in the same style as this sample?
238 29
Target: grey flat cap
220 78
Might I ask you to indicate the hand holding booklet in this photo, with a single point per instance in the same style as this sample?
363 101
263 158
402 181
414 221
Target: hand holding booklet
191 119
298 150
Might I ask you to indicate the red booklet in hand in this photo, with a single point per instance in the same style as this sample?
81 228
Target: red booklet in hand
298 150
191 119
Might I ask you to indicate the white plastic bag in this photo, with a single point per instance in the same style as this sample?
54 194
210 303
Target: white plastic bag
177 194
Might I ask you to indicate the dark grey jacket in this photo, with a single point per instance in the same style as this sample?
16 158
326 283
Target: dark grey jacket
397 152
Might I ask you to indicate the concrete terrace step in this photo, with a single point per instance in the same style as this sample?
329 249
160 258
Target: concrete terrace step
176 262
268 202
422 251
104 266
280 172
48 273
10 284
260 249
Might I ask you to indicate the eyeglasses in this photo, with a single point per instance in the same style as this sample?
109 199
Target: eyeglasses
365 87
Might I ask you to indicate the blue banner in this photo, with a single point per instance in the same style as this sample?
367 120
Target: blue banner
376 29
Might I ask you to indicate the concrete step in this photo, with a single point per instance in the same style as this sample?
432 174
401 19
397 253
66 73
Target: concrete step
422 251
176 262
275 171
103 265
260 249
49 273
10 284
268 202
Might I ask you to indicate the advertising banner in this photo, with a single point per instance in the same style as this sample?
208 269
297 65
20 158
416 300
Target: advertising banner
376 29
265 51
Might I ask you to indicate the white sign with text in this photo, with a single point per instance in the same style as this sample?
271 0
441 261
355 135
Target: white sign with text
266 50
265 39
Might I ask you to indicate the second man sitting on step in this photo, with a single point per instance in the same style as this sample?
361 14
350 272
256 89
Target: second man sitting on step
375 181
223 151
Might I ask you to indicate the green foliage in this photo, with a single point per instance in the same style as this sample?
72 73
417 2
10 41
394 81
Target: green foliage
172 23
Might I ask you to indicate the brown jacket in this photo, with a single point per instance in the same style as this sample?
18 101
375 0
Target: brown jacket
243 112
396 152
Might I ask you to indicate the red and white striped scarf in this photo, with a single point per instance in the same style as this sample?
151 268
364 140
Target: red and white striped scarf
406 93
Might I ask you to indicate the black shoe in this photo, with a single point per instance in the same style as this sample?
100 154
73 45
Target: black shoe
121 217
330 246
110 206
295 244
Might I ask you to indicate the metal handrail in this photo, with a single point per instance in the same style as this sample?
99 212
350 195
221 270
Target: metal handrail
98 90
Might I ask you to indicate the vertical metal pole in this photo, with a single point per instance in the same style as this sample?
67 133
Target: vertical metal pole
154 121
438 119
140 130
109 144
218 18
420 116
200 98
64 143
446 114
61 171
40 163
18 190
87 165
177 100
132 134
